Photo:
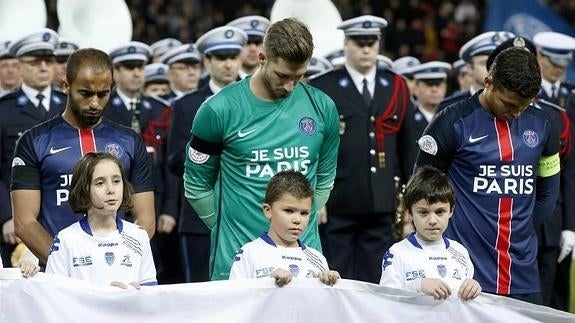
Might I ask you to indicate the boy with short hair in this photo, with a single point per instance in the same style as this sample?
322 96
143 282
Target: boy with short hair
279 253
426 262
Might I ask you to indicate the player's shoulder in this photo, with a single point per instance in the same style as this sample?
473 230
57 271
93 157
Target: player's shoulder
545 104
453 98
111 125
456 247
73 231
44 127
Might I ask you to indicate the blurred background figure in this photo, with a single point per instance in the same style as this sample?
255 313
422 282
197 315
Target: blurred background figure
185 68
462 76
156 80
255 27
160 47
9 70
63 50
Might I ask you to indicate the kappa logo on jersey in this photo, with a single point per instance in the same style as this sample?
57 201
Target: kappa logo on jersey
428 144
294 270
386 259
126 261
530 138
307 126
82 261
243 134
197 157
114 149
17 161
238 255
55 151
110 257
55 244
442 271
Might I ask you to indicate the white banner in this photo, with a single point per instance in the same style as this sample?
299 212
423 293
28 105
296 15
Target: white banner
47 298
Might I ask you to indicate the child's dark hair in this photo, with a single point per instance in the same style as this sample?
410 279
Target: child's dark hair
431 184
82 178
288 182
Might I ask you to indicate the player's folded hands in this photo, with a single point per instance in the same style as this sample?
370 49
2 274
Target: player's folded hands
282 277
329 277
469 289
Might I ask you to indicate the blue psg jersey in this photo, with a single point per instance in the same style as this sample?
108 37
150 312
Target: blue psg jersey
493 165
45 157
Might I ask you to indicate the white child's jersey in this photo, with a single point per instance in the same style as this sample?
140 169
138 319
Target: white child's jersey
411 259
122 255
260 257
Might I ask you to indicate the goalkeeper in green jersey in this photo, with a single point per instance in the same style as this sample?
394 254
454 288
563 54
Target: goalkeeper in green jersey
253 129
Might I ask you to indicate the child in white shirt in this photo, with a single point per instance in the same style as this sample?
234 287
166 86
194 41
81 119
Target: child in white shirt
279 253
426 262
101 247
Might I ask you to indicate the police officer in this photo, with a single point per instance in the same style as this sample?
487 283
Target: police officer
9 70
429 88
150 117
317 65
372 104
156 80
161 47
185 68
33 103
63 50
255 27
475 53
221 48
557 233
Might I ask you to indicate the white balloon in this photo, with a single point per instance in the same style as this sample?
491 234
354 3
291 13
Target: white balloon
102 24
19 18
322 18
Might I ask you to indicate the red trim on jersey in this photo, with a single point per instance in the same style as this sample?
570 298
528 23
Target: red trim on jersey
502 245
87 141
504 140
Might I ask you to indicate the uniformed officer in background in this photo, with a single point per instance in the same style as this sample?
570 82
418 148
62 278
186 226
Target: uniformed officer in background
372 104
221 48
185 68
33 103
255 27
161 47
63 50
429 88
9 70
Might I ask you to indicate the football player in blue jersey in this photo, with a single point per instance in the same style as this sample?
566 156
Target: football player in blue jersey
502 156
46 154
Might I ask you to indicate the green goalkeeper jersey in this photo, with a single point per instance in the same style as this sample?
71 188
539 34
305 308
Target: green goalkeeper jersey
238 143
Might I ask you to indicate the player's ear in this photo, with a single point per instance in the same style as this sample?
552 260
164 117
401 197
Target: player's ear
267 210
65 86
262 58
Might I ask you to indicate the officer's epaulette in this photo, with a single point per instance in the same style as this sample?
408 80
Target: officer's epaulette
9 96
158 99
316 75
549 104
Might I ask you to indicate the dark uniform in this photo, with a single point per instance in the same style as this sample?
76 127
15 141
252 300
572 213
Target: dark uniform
18 115
362 206
154 122
452 99
194 235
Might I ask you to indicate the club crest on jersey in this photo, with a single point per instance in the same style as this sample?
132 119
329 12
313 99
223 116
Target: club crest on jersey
307 126
530 138
428 144
441 270
110 258
114 149
197 157
294 270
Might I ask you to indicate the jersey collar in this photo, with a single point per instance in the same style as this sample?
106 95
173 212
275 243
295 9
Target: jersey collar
411 238
265 237
86 226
